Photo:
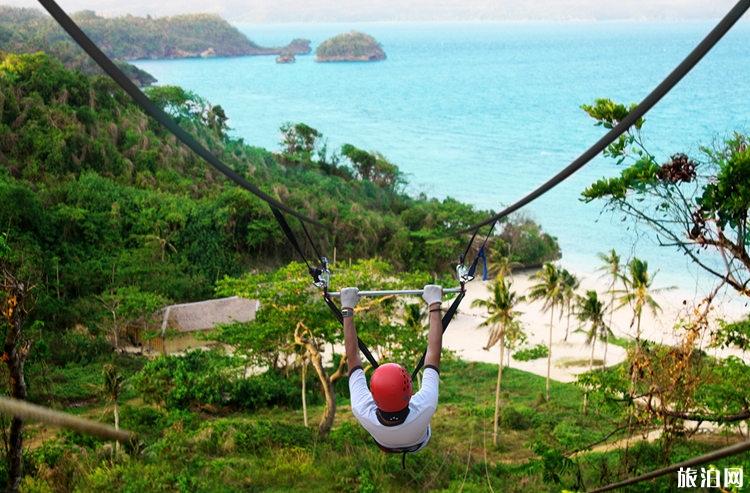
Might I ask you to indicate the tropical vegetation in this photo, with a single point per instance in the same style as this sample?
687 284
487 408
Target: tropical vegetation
106 218
502 318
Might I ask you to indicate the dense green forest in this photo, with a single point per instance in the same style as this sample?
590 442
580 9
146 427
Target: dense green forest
24 30
131 38
109 218
106 218
110 199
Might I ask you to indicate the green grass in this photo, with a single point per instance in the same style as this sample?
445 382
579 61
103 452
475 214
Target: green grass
78 386
271 450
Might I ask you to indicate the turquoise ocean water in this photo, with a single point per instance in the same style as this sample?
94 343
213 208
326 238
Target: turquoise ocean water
484 112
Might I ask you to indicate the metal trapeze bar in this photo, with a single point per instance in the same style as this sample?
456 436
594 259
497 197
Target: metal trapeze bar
405 292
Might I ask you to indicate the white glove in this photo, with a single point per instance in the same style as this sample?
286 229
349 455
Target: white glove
432 294
349 297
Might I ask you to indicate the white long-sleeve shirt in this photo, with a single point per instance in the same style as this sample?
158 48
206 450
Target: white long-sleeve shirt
414 430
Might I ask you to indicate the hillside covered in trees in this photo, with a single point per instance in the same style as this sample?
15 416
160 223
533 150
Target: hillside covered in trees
109 218
110 199
133 38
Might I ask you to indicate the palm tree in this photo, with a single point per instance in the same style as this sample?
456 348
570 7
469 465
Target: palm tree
570 284
500 307
112 389
638 293
612 269
549 288
161 240
514 336
590 311
502 267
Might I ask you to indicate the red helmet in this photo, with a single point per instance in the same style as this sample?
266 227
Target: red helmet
390 385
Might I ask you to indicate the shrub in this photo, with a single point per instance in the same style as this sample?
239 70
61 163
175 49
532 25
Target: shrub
212 378
517 417
532 353
524 242
244 436
268 389
345 434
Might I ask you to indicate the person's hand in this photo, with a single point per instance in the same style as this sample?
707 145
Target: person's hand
349 297
432 294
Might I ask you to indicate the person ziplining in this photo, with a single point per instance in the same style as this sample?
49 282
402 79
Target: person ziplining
398 421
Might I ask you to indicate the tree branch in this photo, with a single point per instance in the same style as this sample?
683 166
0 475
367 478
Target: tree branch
340 371
728 418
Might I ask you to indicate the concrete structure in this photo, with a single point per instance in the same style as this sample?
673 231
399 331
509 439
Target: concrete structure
181 323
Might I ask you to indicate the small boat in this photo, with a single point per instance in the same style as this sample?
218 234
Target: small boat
286 58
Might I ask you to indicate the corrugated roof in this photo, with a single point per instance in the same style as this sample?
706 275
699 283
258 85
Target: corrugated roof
205 315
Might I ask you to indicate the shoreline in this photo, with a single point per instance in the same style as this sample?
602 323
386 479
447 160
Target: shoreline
570 358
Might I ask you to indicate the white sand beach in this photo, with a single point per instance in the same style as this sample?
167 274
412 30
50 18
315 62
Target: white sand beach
569 358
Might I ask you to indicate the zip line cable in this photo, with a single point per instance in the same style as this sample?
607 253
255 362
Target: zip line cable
637 113
157 113
32 412
696 461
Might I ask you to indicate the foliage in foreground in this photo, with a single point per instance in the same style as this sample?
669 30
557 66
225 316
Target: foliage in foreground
698 204
208 448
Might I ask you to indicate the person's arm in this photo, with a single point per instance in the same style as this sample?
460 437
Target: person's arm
433 296
349 299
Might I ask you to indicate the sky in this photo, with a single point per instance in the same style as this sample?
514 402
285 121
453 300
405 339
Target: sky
283 11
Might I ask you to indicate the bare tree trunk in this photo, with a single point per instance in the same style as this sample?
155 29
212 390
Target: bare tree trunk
567 327
116 412
606 346
497 388
14 355
549 352
304 392
636 357
115 331
638 334
326 422
303 337
611 317
591 367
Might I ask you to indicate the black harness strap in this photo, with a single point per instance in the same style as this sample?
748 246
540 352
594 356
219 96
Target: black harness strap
403 451
291 237
310 240
314 273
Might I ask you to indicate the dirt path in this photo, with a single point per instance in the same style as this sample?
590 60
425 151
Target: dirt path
623 442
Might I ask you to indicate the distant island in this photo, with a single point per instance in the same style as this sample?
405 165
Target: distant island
350 47
138 38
